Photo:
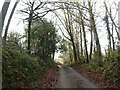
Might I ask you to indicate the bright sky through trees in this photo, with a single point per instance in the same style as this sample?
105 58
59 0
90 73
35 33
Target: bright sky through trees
17 24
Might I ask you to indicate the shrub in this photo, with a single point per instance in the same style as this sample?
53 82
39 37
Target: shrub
111 67
19 67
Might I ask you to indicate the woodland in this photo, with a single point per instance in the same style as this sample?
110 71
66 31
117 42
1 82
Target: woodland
75 34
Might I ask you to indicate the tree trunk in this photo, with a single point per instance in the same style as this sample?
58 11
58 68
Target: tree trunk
74 49
108 28
98 44
29 28
85 42
12 12
113 42
70 29
84 35
91 33
91 44
4 10
95 34
77 44
81 47
113 38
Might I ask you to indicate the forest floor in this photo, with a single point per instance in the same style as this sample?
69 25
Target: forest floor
49 78
95 77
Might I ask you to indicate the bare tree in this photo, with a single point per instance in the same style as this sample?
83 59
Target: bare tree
67 22
32 10
35 9
81 46
70 30
84 33
98 47
113 41
106 19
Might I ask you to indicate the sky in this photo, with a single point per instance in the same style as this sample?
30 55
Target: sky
17 24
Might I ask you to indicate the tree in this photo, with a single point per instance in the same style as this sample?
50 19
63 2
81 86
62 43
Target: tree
98 47
33 10
43 39
84 33
4 10
106 19
81 46
91 34
67 23
8 23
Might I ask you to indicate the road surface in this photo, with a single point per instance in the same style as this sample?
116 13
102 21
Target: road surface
69 78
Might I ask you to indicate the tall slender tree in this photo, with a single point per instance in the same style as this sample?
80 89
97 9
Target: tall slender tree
98 46
4 10
108 28
3 14
82 28
9 20
84 35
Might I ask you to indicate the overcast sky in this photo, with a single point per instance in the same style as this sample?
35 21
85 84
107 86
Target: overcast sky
17 24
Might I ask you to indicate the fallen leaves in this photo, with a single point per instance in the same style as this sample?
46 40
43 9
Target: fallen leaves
94 76
49 79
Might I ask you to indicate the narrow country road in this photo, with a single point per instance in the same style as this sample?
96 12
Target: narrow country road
69 78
